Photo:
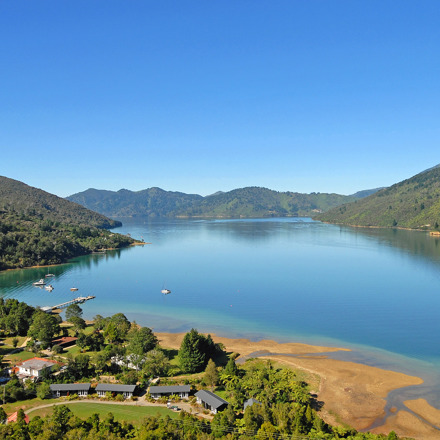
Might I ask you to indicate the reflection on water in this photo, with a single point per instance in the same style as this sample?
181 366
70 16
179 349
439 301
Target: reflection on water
285 279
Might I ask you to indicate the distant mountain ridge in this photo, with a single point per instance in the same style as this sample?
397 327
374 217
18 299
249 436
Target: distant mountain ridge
249 202
413 203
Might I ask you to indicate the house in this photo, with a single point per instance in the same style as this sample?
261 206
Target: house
13 418
126 390
67 389
251 402
182 391
211 401
34 368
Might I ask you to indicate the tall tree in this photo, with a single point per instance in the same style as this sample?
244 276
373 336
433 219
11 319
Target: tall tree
73 310
141 340
211 374
192 359
43 328
117 327
156 363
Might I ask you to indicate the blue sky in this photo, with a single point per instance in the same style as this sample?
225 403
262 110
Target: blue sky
201 96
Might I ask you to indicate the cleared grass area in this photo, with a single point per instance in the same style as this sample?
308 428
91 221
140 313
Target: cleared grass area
220 392
21 340
72 350
27 404
129 413
18 357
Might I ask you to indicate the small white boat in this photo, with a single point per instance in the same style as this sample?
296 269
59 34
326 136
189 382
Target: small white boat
74 289
49 275
165 291
39 283
49 287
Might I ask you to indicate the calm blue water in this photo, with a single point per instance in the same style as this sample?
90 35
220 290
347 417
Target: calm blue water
375 291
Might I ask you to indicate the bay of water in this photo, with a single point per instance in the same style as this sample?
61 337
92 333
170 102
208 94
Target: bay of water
293 279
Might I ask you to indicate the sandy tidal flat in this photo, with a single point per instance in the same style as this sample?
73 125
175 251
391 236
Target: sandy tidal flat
352 393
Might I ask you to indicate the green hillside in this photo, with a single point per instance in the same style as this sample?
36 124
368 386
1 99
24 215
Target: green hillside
413 203
251 202
38 228
19 197
152 202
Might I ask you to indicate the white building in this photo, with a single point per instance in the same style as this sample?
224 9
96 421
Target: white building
34 368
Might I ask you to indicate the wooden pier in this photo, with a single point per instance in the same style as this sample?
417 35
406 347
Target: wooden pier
78 300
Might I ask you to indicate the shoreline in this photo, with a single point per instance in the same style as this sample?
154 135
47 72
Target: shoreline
353 394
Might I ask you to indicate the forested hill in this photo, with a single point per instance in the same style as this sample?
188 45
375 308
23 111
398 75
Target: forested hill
152 202
413 203
38 228
22 198
251 202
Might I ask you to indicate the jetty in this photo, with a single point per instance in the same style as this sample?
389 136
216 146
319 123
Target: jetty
63 305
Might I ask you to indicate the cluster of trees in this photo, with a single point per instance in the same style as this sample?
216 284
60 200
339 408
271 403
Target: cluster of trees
15 317
196 350
62 423
27 240
284 408
20 319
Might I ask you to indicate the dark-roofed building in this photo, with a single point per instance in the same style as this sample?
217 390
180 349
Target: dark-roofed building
65 341
182 391
67 389
126 390
211 401
251 402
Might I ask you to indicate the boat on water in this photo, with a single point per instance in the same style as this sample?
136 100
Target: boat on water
39 283
49 275
49 287
74 289
165 291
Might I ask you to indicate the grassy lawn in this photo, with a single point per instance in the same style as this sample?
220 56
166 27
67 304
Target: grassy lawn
72 350
220 392
75 350
21 340
27 404
129 413
19 357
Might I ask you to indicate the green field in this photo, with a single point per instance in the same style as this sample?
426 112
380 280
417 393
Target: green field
129 413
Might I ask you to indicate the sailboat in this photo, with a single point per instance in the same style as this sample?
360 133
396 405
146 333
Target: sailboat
165 291
49 275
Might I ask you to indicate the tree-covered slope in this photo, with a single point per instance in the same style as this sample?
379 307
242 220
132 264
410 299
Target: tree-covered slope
19 197
244 202
38 228
413 203
152 202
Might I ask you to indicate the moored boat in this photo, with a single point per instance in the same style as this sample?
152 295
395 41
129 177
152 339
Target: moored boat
165 291
39 283
49 287
74 289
